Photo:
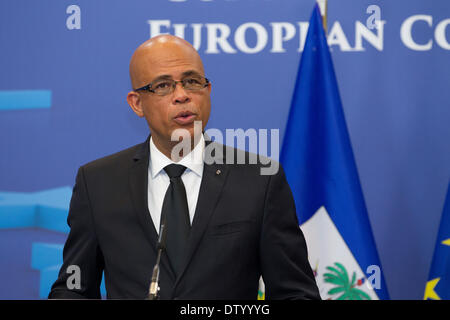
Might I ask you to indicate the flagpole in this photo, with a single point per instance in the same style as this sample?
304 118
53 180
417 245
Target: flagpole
323 4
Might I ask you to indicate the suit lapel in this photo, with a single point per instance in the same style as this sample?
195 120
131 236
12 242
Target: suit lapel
213 180
139 193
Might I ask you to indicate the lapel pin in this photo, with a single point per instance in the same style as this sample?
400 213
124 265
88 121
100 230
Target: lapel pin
218 172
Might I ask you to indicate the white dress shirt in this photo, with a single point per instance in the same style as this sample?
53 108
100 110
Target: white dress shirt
158 180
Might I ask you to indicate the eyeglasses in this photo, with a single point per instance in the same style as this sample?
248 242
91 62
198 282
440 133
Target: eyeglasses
167 86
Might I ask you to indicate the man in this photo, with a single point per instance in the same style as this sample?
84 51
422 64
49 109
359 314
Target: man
238 225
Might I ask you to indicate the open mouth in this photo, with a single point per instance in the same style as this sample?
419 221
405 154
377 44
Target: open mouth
184 117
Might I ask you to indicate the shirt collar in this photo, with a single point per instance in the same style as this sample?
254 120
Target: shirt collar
193 161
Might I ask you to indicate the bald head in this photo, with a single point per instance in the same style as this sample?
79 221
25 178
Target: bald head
157 61
163 49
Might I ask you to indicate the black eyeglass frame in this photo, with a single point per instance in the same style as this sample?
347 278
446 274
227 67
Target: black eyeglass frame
148 87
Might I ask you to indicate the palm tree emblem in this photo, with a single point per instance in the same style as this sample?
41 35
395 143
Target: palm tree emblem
339 277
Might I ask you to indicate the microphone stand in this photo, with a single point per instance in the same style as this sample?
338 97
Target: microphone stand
153 292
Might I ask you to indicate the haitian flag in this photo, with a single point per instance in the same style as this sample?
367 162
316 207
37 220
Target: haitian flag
320 168
438 285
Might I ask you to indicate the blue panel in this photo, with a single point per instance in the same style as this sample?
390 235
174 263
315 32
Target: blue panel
20 216
48 277
44 255
46 209
52 219
25 99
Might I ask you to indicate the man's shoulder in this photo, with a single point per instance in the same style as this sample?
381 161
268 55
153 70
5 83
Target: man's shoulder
117 160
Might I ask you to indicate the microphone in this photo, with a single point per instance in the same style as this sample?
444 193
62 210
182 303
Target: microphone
153 292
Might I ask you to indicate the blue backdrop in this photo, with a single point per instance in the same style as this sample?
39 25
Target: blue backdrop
64 80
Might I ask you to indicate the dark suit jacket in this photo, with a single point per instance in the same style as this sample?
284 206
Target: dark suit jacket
244 226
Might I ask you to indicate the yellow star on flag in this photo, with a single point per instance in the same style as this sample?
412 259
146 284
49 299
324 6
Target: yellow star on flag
429 290
446 242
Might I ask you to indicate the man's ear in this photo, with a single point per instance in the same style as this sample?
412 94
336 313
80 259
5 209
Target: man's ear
134 100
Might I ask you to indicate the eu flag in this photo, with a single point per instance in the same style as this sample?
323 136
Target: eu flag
438 285
320 167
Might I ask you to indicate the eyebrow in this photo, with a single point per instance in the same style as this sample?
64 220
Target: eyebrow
183 75
190 73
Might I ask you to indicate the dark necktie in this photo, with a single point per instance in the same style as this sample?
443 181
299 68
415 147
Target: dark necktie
175 213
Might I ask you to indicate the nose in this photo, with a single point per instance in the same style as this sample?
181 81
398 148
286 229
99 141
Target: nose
180 95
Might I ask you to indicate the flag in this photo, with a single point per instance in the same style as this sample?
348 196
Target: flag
438 284
320 168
